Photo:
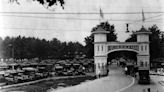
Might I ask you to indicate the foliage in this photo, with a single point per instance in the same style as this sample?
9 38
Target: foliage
40 48
155 48
48 3
132 38
111 36
89 47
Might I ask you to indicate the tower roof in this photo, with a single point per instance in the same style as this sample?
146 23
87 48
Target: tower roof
100 30
143 30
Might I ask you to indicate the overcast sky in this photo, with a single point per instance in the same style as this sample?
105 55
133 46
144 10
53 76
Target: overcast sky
66 29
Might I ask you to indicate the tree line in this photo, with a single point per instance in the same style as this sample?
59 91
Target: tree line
30 47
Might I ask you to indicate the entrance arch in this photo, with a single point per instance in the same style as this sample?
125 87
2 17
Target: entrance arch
122 53
121 57
102 48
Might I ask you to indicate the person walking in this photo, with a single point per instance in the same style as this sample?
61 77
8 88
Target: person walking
126 69
98 72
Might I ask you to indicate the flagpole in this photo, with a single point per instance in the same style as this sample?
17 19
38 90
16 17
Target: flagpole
143 18
101 16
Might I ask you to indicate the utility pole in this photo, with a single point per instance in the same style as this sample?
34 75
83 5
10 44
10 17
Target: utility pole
12 50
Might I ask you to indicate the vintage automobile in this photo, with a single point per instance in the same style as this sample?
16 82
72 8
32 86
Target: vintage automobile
39 75
58 70
144 77
22 77
12 77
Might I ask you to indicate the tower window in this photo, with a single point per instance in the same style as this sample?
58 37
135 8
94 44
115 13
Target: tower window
141 48
98 65
102 65
141 63
97 48
145 47
146 64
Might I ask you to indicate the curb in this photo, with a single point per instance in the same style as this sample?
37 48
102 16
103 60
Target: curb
161 82
124 88
35 81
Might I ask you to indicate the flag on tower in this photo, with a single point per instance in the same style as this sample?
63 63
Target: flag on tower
101 14
143 17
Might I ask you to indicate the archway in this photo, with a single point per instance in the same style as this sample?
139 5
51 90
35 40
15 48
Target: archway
102 48
122 54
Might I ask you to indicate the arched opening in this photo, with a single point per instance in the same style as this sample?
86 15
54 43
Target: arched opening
123 58
122 54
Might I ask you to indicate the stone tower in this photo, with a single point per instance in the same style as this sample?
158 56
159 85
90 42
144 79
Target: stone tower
143 57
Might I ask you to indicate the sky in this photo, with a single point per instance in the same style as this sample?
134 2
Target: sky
64 28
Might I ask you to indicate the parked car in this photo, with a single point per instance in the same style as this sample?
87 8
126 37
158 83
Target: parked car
22 77
160 71
2 73
67 73
12 77
39 75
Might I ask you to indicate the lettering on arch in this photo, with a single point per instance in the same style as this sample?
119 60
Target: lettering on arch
115 47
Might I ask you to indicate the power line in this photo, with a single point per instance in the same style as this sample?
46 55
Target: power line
21 28
80 13
115 20
146 19
64 18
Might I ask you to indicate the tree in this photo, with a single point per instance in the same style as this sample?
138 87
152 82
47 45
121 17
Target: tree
1 48
89 47
155 49
111 36
47 3
132 38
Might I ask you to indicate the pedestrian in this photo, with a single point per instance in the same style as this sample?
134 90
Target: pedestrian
126 69
98 72
107 72
148 90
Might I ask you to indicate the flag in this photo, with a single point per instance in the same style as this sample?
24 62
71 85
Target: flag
143 17
101 14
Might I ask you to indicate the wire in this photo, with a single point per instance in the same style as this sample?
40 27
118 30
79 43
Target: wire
154 16
19 28
64 18
146 19
80 13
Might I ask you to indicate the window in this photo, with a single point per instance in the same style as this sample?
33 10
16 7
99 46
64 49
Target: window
98 65
146 64
102 65
145 47
97 48
141 48
141 63
102 48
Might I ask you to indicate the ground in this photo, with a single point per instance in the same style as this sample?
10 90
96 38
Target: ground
52 83
116 81
156 85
